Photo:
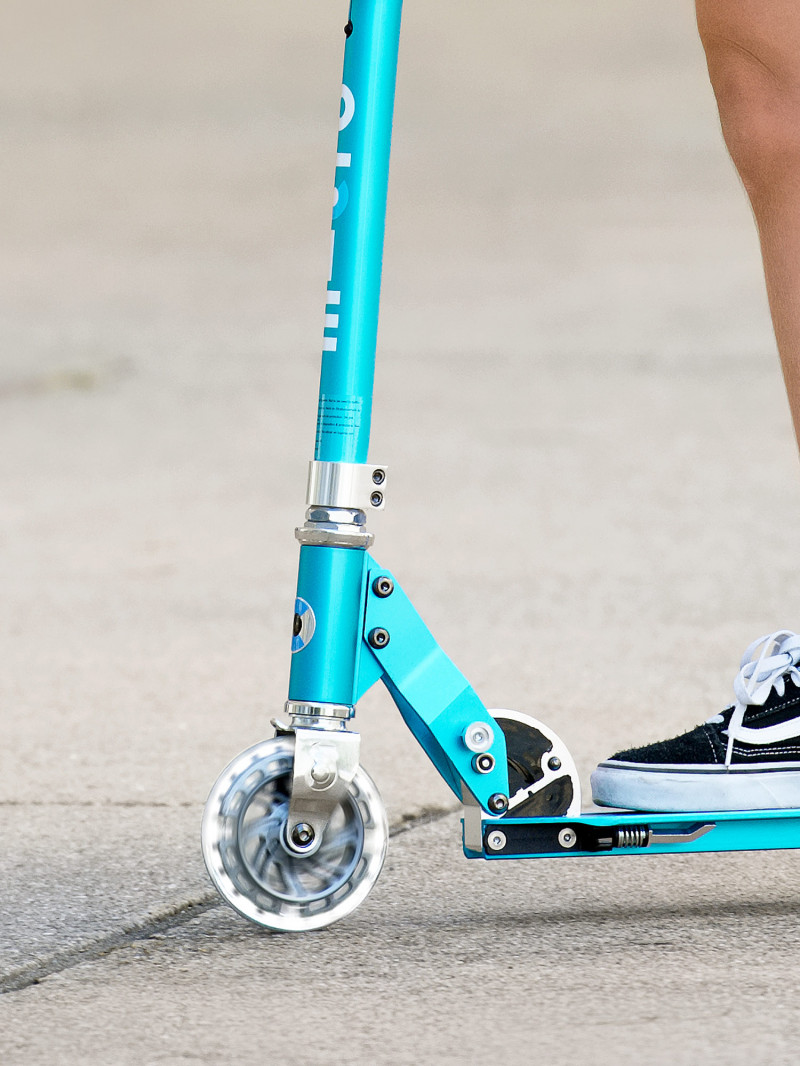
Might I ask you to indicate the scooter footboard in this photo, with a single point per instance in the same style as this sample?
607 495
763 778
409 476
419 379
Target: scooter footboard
629 832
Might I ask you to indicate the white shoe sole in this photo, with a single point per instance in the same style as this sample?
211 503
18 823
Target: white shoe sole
673 789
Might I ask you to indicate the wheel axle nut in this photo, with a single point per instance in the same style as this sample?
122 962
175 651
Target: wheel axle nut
378 638
302 835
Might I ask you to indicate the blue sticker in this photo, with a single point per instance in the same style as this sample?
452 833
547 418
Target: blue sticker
341 194
304 625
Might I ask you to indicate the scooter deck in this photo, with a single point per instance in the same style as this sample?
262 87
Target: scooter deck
629 832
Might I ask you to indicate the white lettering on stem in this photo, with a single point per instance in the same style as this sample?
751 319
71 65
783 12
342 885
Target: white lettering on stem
340 198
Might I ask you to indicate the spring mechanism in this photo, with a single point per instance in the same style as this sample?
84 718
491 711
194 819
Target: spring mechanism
633 836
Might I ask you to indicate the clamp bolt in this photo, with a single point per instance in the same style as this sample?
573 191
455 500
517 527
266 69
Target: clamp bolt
383 586
378 638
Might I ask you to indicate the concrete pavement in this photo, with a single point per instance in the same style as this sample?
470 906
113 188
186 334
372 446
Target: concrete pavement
594 504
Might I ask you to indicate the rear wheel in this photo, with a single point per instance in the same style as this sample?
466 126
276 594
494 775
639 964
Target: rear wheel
542 778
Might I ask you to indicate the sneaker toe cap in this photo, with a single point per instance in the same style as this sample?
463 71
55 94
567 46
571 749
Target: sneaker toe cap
698 746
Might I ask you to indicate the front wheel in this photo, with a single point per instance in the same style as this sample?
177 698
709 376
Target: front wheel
257 873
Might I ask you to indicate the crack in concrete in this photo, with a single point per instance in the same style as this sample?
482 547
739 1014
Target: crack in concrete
171 917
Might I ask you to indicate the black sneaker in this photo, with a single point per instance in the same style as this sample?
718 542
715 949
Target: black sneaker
747 758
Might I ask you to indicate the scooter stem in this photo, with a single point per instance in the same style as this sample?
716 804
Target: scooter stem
359 213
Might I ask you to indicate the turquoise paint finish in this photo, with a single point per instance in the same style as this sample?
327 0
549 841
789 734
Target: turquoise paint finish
362 176
331 582
426 739
733 831
435 699
368 669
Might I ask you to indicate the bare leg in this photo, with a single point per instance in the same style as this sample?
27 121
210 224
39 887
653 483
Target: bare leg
753 53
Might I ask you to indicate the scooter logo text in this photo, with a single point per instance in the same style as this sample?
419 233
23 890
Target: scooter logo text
341 197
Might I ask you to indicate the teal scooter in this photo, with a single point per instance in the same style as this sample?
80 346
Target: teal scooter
294 832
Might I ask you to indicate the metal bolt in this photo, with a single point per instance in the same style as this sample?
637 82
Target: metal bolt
322 774
378 638
496 840
567 838
483 764
376 499
498 803
478 736
383 587
302 835
378 476
554 763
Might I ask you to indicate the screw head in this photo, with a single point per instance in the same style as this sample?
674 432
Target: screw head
478 736
378 638
378 476
496 840
567 838
498 803
302 835
376 499
483 764
383 586
554 763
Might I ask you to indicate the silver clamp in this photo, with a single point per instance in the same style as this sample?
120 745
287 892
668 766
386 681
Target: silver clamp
338 497
349 486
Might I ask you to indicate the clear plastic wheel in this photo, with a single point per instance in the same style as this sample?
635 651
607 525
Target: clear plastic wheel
254 869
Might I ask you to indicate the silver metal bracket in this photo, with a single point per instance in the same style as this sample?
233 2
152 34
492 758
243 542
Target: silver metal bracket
472 815
338 498
326 758
349 486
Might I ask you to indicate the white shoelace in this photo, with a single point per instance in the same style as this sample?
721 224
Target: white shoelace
764 667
